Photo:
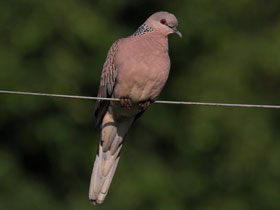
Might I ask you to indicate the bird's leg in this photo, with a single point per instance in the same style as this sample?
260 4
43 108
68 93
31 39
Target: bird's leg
145 104
126 102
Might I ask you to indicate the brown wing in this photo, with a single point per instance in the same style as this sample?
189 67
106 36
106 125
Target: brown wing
107 84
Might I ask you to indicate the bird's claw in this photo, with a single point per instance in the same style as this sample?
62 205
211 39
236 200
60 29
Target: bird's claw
126 102
145 104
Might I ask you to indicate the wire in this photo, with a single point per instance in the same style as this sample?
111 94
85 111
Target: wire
58 95
158 102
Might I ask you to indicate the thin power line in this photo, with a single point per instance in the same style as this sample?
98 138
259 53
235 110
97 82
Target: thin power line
158 102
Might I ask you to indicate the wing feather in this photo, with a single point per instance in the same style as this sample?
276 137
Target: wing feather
107 83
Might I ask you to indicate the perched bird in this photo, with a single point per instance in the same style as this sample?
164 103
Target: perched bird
135 71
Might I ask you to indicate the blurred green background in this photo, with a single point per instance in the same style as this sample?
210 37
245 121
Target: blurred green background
175 157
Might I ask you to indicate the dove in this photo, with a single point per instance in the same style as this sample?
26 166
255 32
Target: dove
135 71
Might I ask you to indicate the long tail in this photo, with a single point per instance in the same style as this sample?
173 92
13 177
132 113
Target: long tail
107 157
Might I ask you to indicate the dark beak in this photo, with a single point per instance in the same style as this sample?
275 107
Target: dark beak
177 32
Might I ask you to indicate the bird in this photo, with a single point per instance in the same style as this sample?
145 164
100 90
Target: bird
135 71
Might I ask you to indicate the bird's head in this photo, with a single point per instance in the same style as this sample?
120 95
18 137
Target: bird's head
164 23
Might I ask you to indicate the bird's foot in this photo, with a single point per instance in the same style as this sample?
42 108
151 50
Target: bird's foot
145 104
126 102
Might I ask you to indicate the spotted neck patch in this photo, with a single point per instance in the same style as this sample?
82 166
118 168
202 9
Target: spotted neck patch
143 29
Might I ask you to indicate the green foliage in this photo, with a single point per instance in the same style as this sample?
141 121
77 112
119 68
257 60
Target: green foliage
175 157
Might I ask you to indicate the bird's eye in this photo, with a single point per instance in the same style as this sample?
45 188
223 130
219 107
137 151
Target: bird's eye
163 21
